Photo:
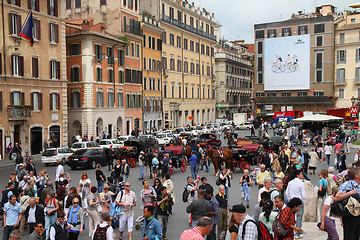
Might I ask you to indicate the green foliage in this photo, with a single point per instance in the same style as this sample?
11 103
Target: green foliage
124 38
147 14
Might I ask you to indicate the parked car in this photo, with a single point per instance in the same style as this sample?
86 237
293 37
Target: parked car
111 143
87 158
245 125
52 155
164 138
195 130
81 145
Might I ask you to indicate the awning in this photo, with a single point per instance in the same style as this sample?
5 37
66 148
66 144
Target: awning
318 118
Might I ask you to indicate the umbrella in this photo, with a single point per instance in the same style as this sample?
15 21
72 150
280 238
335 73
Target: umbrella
318 118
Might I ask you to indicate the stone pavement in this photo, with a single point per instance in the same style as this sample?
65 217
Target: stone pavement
314 233
8 163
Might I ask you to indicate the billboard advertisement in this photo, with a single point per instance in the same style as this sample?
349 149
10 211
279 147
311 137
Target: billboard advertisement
287 63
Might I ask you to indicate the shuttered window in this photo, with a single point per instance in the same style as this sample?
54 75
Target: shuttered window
52 6
34 5
14 23
54 69
54 32
98 53
75 74
37 29
75 100
121 57
1 102
54 101
35 67
36 101
17 65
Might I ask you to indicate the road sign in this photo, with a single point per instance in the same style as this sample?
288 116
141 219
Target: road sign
353 115
219 105
354 110
191 118
258 110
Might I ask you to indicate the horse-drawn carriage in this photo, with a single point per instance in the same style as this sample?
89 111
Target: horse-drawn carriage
178 157
209 140
272 143
130 151
245 156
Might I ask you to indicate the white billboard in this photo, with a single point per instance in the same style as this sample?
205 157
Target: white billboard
287 63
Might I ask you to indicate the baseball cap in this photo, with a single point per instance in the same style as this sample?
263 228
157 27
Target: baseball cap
238 208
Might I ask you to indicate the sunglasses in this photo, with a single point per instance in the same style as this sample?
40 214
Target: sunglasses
40 226
106 189
127 185
76 202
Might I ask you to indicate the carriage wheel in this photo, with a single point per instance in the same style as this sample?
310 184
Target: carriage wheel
171 170
132 162
244 165
183 166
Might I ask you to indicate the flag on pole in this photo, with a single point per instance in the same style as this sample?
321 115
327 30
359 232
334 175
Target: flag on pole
27 30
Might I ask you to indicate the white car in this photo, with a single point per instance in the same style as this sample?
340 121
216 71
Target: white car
164 138
111 143
195 130
81 145
122 139
245 125
52 155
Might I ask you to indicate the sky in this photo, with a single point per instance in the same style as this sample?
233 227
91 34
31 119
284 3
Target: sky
238 17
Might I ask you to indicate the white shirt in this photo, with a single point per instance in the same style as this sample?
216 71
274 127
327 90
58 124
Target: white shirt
109 232
328 150
296 188
53 231
31 218
328 201
59 170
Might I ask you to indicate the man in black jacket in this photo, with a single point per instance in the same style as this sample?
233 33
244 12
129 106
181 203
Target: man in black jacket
34 213
199 207
59 230
30 166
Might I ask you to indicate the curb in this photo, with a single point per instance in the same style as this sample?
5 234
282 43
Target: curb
354 146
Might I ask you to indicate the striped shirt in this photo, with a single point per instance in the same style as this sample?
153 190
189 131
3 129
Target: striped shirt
192 234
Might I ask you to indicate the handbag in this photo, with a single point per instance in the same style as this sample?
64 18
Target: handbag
323 191
278 228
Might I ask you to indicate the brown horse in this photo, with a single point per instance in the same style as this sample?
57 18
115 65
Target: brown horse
217 159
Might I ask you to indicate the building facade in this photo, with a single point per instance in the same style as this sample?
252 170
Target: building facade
152 73
347 65
233 71
33 99
319 95
188 60
121 19
96 67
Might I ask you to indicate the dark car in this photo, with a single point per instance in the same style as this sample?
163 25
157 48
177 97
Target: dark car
87 158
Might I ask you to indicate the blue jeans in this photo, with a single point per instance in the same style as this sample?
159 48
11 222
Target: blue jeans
141 172
328 159
124 178
100 185
7 231
49 220
227 192
193 171
299 215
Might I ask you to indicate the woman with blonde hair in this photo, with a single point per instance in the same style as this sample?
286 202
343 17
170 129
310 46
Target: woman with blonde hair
75 219
106 198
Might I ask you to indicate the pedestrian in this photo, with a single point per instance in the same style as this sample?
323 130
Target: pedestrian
104 229
106 199
34 214
278 190
347 142
245 182
15 235
100 178
268 216
213 212
265 188
260 177
124 170
168 183
313 161
203 229
155 165
93 202
279 173
141 165
248 232
50 208
127 200
296 189
222 198
279 203
321 194
59 230
198 208
283 159
164 203
30 167
328 152
12 216
147 195
84 188
287 219
151 228
72 193
24 202
204 185
342 161
191 189
9 150
193 165
327 221
225 177
259 207
157 186
306 158
165 165
37 232
59 169
75 220
115 172
351 224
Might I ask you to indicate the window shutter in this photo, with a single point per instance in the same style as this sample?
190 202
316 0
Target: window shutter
18 19
40 101
58 101
344 56
29 4
32 101
56 33
12 98
37 5
21 66
56 8
50 31
72 99
35 72
357 74
51 69
100 74
72 79
10 22
0 63
51 101
100 54
18 3
48 7
38 26
22 98
57 70
1 101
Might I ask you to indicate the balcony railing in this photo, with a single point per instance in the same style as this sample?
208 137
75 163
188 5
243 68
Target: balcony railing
133 30
187 27
19 112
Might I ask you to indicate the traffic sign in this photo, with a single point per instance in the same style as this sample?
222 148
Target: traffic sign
219 105
353 115
354 110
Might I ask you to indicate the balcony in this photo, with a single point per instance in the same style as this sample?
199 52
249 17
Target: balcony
133 30
187 27
19 112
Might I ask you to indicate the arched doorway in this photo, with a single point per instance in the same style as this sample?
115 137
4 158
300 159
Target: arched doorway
54 136
99 127
119 126
36 140
76 128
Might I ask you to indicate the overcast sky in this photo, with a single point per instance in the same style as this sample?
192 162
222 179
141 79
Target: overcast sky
238 17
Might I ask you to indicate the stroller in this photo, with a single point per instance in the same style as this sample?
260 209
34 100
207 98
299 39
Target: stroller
139 222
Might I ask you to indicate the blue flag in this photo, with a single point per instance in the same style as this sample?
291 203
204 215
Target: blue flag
27 30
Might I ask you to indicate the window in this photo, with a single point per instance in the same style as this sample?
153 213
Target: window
192 68
102 2
186 66
111 77
144 65
159 44
186 91
54 32
14 23
302 94
357 56
110 55
127 50
99 99
286 32
164 37
138 50
36 29
36 101
150 42
145 83
54 70
54 101
260 47
260 64
171 39
164 61
17 98
319 75
172 91
353 20
52 7
68 4
144 40
341 93
158 84
198 47
357 75
120 99
185 44
17 67
303 29
172 64
35 67
260 79
342 37
319 28
178 42
121 57
133 49
165 91
75 100
340 75
74 49
207 51
318 66
341 56
271 94
179 15
98 74
75 74
318 93
203 88
286 94
259 34
271 33
319 41
197 68
260 94
153 43
202 49
179 91
179 65
171 12
121 76
110 99
191 45
192 92
98 53
77 3
150 84
130 3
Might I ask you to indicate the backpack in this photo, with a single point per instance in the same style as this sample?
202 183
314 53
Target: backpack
263 231
185 194
100 233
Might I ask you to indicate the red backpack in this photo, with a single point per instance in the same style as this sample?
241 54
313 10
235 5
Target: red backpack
263 231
